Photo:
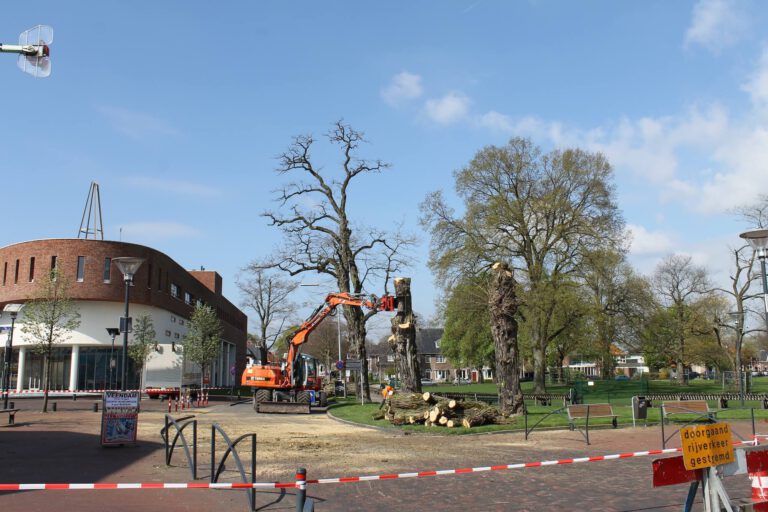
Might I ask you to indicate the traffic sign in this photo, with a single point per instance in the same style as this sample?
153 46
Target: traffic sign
705 446
339 365
354 364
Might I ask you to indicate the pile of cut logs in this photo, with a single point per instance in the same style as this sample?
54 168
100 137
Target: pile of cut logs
431 410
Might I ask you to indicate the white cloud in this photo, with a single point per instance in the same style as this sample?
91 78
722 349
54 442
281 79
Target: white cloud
757 85
137 125
646 242
172 186
716 24
450 108
157 230
403 86
495 121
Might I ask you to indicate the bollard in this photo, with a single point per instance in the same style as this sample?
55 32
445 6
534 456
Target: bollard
74 397
169 406
301 489
95 406
13 405
177 404
53 406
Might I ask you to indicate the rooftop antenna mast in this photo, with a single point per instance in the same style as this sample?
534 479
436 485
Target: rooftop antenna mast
92 211
33 49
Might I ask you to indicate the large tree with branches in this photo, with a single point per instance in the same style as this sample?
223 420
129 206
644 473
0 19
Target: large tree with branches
323 238
541 212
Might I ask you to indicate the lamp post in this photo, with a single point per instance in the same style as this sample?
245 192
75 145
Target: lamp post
112 331
13 310
758 239
128 266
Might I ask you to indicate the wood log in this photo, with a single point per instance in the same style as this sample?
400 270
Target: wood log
443 420
434 414
406 401
428 397
378 415
475 417
452 423
452 404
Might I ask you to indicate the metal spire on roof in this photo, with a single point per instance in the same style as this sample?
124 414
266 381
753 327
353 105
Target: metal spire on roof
92 211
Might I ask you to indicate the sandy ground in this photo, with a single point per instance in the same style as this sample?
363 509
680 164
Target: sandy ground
64 447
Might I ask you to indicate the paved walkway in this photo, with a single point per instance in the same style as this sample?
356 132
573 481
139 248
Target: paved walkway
63 447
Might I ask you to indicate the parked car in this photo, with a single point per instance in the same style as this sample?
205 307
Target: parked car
427 382
622 378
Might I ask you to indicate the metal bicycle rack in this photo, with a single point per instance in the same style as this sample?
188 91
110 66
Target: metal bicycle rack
170 446
216 469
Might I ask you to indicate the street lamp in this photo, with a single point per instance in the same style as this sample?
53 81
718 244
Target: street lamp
112 331
758 239
13 310
128 266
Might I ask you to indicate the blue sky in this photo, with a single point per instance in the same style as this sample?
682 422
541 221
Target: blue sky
178 110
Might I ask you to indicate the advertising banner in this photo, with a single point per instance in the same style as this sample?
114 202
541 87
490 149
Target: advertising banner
120 417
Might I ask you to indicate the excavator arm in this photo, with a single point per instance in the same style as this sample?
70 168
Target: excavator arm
333 300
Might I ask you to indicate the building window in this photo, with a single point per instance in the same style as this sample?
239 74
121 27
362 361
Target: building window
32 269
176 335
54 262
107 269
174 290
439 359
16 274
5 272
181 321
159 279
168 333
173 319
187 297
80 269
149 277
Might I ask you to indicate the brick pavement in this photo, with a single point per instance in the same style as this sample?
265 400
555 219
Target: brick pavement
62 447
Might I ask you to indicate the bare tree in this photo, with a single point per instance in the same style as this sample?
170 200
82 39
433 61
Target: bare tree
269 297
678 283
319 234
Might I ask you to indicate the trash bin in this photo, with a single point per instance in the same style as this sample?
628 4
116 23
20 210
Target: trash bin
640 405
339 389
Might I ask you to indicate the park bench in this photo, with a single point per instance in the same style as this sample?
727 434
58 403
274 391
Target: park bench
700 408
11 415
588 411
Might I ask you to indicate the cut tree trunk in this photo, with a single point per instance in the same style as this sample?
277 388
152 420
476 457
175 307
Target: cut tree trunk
503 305
403 339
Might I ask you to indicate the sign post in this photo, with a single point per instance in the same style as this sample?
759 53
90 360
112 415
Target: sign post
705 447
356 365
119 417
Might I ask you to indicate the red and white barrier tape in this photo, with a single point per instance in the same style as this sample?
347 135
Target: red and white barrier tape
146 485
93 391
342 480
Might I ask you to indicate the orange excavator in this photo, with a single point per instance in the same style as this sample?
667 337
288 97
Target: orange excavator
293 385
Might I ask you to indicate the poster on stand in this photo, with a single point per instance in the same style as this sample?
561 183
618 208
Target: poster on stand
119 417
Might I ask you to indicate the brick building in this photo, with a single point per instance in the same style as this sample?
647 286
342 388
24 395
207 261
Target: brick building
162 289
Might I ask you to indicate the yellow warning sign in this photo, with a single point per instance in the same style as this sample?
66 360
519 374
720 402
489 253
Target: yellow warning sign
705 446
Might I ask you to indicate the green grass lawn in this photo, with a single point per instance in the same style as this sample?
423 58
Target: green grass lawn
362 414
617 393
